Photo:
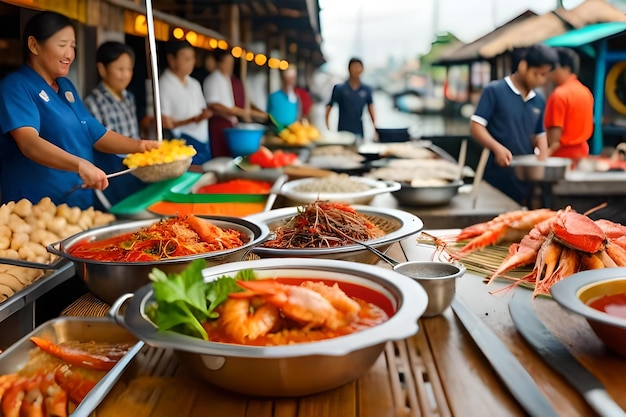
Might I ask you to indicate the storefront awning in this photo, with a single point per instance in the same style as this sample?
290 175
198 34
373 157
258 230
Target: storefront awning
586 35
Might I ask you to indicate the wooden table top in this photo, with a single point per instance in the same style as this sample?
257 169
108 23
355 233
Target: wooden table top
437 372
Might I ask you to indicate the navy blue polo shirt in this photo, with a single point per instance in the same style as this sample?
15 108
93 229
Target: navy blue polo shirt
351 103
513 121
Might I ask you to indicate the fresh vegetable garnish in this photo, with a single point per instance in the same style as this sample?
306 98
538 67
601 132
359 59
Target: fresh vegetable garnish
183 300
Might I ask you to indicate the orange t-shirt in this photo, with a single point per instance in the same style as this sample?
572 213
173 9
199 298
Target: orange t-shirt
570 107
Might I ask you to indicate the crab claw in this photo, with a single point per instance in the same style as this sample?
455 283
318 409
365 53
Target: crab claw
579 232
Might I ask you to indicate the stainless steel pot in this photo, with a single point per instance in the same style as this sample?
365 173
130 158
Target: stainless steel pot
408 195
294 369
110 280
529 168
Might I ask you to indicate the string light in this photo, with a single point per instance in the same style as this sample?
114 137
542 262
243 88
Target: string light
260 60
283 65
222 44
237 52
192 37
178 33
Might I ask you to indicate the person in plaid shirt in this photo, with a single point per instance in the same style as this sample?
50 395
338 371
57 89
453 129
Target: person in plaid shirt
113 106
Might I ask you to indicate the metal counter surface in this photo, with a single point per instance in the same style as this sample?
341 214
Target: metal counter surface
461 211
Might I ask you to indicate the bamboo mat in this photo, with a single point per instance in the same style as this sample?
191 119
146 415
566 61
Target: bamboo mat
402 383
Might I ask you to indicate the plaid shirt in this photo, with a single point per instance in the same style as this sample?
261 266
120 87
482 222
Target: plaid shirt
117 115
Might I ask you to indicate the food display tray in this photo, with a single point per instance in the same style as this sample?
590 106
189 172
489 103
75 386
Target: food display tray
136 205
51 278
180 190
187 193
80 329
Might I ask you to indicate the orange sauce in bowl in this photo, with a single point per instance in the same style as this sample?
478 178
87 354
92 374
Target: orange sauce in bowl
613 305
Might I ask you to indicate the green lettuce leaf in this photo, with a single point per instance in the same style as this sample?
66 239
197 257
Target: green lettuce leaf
217 291
183 301
180 299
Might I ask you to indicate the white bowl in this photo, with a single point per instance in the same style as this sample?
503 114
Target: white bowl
289 190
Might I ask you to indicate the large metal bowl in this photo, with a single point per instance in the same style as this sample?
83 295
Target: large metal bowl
578 290
294 369
110 280
409 195
397 224
529 168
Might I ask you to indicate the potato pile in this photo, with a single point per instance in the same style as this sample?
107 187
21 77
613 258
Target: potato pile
26 229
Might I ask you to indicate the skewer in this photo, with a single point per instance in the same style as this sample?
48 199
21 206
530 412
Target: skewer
155 70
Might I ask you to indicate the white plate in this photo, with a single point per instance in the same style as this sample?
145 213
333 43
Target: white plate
362 197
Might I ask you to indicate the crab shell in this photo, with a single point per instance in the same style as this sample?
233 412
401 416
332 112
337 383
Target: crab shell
579 232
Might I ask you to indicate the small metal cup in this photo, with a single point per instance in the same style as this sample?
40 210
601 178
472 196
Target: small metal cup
437 278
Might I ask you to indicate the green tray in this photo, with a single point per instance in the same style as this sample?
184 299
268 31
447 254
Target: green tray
181 193
139 202
178 190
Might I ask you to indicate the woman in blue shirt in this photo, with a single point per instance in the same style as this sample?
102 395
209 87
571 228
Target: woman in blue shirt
49 136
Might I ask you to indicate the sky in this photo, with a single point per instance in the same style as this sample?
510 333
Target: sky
380 30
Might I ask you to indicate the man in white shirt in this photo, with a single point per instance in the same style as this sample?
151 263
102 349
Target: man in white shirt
183 107
225 96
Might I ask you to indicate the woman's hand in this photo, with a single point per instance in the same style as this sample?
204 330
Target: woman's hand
92 176
147 145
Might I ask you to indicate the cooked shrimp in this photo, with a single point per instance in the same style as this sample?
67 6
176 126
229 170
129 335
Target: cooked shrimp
344 304
241 320
297 303
507 227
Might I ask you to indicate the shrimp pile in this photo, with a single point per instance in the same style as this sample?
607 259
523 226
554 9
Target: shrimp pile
270 313
168 238
324 224
53 385
559 244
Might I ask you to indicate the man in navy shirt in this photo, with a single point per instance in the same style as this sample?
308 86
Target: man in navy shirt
509 120
351 97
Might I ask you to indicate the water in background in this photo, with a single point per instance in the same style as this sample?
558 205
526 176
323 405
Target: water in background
387 116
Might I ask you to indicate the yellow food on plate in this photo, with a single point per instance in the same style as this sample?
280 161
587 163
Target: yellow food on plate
169 151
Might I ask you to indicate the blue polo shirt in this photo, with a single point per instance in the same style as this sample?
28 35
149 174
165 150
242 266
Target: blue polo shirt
351 103
26 100
512 120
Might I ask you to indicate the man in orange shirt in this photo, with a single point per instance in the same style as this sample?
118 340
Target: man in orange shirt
569 110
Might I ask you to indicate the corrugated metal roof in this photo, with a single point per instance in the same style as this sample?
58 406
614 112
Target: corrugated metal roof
586 35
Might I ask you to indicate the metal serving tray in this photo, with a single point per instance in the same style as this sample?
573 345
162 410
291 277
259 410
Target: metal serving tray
29 294
80 329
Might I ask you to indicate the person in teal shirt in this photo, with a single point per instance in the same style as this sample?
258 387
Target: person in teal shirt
284 104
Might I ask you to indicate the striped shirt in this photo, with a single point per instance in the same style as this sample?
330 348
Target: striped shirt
117 115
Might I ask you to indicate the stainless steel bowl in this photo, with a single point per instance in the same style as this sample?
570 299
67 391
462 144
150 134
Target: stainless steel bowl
408 195
295 369
437 278
397 224
109 280
529 168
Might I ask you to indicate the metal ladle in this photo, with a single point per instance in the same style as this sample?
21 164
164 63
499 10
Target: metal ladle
372 249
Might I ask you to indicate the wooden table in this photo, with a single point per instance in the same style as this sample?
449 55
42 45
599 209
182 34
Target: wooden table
437 372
